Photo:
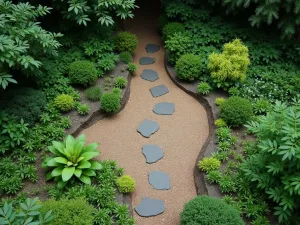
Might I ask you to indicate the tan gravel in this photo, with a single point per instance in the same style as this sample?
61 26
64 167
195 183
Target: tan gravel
180 135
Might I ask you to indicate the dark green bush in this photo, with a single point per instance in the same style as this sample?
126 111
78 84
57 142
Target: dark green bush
189 67
110 102
126 42
82 73
125 57
205 210
93 93
69 212
236 111
171 28
23 103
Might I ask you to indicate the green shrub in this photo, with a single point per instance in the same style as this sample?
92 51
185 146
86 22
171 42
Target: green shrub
203 88
69 212
117 91
171 28
261 106
125 57
178 45
205 210
72 160
110 102
121 82
126 42
83 109
236 111
132 68
219 101
23 103
208 164
229 66
214 176
82 73
188 67
64 102
125 184
93 93
220 123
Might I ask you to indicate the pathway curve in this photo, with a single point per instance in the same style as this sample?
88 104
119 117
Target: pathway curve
181 133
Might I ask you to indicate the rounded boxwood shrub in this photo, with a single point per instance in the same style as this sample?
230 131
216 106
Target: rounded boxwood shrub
69 212
93 93
125 184
110 102
205 210
189 67
82 73
209 164
236 111
125 57
126 42
171 28
64 102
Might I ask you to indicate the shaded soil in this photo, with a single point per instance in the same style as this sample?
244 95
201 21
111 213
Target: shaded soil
181 135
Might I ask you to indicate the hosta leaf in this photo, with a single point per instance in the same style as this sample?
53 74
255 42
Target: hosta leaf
91 147
67 173
61 184
84 165
78 172
52 162
58 146
61 160
89 172
95 165
85 179
57 172
48 176
89 155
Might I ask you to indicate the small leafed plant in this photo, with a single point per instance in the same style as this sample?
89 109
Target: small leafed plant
132 68
71 160
120 82
64 102
83 109
208 164
220 123
203 88
28 214
219 101
93 93
125 57
125 184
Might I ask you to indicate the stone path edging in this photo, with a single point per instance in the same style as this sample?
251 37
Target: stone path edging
208 102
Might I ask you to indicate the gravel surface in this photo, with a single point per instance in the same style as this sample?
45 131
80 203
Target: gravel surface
181 135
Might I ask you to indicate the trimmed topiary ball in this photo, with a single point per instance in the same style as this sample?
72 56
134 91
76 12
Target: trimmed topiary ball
121 82
205 210
93 93
125 57
126 42
171 28
82 73
189 67
209 164
236 111
110 102
64 103
125 184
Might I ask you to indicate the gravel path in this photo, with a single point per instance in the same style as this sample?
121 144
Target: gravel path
181 135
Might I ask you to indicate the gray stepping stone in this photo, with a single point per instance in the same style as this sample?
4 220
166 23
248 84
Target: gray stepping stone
159 180
150 207
147 128
153 153
164 108
159 90
149 75
147 60
151 48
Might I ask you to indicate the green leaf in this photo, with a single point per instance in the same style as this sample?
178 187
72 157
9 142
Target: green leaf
61 184
96 165
78 172
85 179
61 160
89 172
89 155
52 163
67 173
84 165
57 172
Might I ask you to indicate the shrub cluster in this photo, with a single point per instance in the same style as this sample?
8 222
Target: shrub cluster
93 93
171 28
82 73
125 184
205 210
111 102
64 102
126 42
125 57
236 111
189 67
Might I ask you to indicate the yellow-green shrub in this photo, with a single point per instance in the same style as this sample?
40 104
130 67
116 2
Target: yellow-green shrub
209 164
64 102
220 123
125 184
219 101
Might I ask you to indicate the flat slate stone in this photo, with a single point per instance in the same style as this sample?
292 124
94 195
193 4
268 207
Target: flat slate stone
150 207
159 90
153 153
147 128
159 180
149 75
147 60
152 48
164 108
